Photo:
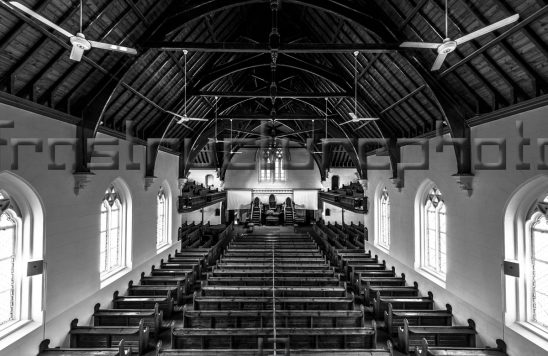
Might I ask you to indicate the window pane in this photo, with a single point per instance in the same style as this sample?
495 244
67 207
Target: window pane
540 271
443 239
7 268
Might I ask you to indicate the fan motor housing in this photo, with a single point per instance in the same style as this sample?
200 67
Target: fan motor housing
80 41
447 47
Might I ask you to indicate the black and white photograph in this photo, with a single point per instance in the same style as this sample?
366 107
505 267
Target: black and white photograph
274 178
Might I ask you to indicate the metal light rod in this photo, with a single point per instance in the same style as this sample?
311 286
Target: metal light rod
242 47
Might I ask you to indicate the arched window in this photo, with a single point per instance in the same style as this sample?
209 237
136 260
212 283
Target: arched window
538 265
21 241
162 238
115 236
272 165
9 242
383 220
434 234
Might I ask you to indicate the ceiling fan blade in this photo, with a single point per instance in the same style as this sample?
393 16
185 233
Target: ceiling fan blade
76 54
362 126
197 119
420 45
111 47
439 61
40 18
507 21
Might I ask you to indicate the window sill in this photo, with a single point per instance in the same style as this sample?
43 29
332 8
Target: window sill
532 333
17 331
383 249
162 248
111 277
432 277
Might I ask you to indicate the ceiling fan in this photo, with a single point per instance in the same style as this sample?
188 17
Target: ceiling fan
448 45
79 42
184 117
354 115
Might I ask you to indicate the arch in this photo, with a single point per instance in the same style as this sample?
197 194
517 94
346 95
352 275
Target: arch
374 26
31 217
272 201
518 208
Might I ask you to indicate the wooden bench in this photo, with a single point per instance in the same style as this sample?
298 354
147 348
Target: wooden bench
45 350
443 336
247 338
393 319
262 303
105 336
279 281
263 318
137 302
380 281
285 266
425 350
176 290
380 304
371 291
262 352
152 318
266 291
303 273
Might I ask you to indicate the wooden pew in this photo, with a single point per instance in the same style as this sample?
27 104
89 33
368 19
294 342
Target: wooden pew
425 350
45 350
442 336
263 318
247 338
261 303
137 302
380 281
105 336
262 352
380 304
371 291
266 291
279 281
303 273
393 319
152 318
176 290
167 281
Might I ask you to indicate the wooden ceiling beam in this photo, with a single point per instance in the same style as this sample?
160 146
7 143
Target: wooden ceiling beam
267 95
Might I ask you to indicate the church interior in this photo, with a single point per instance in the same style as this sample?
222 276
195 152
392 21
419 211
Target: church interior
274 177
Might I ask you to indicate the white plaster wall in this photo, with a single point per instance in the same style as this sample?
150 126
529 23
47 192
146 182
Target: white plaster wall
238 177
72 223
475 242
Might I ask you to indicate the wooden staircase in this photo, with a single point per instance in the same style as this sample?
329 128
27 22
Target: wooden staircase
289 212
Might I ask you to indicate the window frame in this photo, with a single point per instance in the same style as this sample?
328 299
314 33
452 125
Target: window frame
20 314
430 194
118 191
161 244
383 220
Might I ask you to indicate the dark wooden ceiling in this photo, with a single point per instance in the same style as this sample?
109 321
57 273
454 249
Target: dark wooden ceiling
483 76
